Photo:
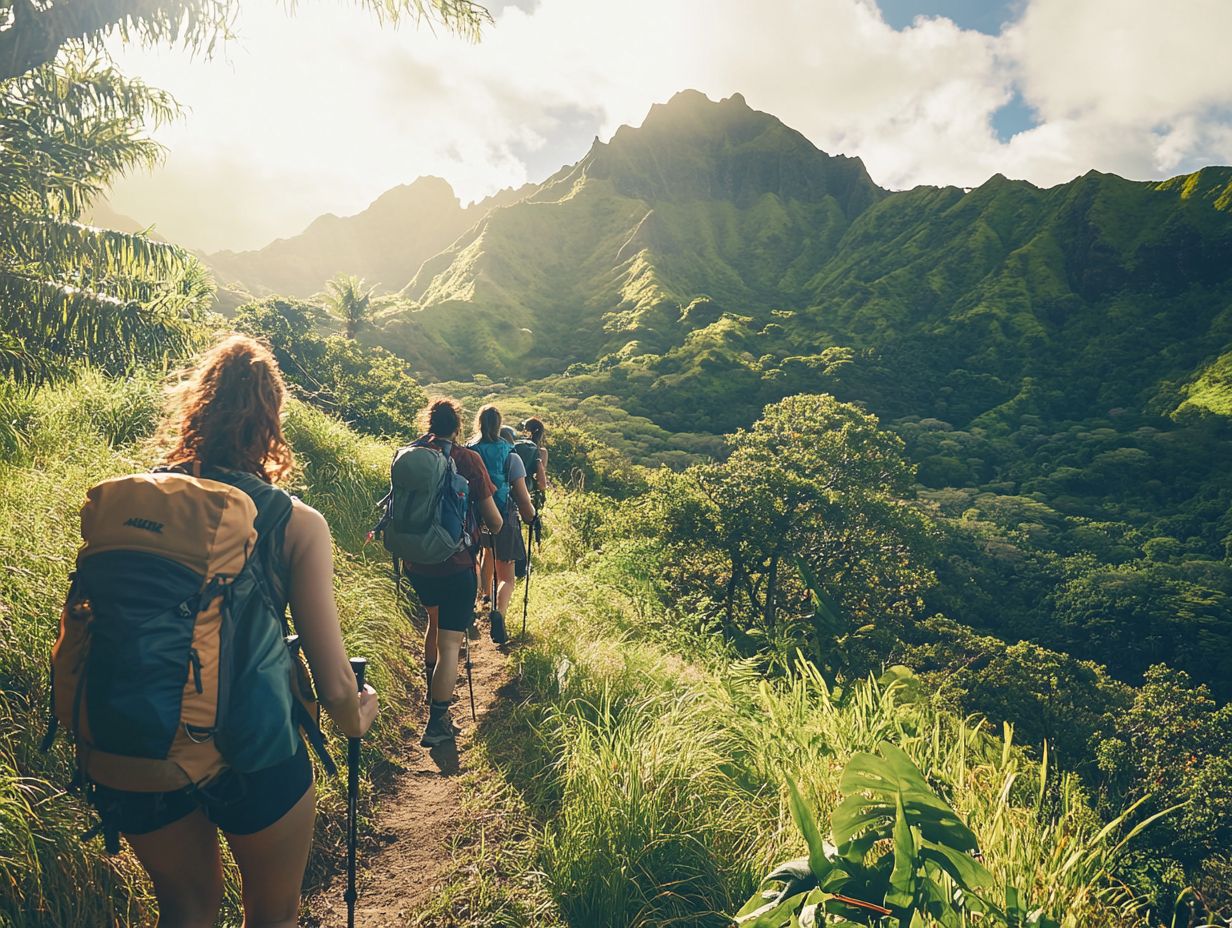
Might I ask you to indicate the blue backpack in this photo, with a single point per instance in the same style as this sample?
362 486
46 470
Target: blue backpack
495 456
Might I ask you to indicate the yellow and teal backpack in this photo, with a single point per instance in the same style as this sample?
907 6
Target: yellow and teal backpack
173 661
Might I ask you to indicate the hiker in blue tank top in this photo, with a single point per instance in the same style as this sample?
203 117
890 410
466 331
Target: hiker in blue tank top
508 475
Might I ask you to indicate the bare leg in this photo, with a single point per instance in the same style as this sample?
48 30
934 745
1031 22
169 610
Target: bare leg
272 863
485 572
445 677
182 861
504 591
430 636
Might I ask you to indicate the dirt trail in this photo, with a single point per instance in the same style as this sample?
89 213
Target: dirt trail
408 852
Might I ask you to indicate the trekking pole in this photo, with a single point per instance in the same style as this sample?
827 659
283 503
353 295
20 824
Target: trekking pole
358 666
494 607
470 683
530 533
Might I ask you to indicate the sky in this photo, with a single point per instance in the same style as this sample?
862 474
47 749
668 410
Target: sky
324 110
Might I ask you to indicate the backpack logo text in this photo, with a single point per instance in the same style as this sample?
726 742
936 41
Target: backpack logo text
148 524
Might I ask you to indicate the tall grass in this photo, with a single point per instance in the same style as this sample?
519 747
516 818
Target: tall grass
58 443
664 802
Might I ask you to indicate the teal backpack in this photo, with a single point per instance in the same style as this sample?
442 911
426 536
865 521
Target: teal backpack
495 456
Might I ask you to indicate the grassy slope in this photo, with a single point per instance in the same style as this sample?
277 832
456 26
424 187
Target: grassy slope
634 787
630 787
70 439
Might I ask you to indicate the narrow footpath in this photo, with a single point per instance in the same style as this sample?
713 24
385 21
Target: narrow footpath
407 851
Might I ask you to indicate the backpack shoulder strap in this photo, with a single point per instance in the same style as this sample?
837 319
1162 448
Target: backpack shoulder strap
273 504
274 507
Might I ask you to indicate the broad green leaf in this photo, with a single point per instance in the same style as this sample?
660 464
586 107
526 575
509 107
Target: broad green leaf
772 914
966 871
870 785
902 877
819 863
759 900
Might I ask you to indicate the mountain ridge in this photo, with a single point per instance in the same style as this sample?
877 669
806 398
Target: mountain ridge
385 243
718 202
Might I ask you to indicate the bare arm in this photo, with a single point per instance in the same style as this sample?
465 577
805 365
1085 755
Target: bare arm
309 551
541 471
521 496
490 515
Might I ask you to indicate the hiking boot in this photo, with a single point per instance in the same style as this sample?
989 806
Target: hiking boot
497 631
439 731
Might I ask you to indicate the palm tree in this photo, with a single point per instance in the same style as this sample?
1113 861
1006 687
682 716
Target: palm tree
31 33
348 299
70 291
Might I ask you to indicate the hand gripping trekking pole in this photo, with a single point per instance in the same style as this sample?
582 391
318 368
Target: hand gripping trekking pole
530 534
358 665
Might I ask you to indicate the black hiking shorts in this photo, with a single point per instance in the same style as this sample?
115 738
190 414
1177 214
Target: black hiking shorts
238 803
453 596
508 543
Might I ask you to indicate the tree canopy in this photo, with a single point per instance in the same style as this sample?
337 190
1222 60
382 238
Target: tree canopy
32 34
70 291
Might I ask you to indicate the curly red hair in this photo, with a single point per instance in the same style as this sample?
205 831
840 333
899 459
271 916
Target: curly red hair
227 412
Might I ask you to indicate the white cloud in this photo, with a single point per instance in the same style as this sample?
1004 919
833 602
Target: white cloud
324 111
1132 62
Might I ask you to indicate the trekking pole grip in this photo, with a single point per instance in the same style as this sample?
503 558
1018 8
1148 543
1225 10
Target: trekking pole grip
359 666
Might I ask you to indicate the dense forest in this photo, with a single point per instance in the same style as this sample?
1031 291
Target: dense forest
853 487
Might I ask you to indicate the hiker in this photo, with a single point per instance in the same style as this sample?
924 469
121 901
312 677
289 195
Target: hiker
534 458
503 547
485 564
447 589
224 421
534 428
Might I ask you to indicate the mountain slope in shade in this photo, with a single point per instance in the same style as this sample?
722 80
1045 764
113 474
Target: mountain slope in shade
385 244
102 214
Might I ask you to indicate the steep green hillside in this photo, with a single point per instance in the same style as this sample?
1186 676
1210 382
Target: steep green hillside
1094 295
385 243
1056 361
703 198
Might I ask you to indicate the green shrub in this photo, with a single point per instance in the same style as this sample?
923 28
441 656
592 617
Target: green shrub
368 388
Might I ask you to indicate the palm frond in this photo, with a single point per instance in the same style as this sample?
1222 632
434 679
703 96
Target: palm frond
59 324
32 33
68 130
82 251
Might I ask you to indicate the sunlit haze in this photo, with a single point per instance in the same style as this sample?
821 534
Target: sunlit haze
324 110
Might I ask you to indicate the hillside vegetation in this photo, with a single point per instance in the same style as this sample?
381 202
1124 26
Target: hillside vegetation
667 800
670 754
1054 361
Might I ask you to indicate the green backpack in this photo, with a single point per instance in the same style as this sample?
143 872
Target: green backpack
427 517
